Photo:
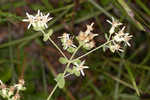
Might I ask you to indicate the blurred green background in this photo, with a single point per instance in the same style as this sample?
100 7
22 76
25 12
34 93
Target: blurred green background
119 76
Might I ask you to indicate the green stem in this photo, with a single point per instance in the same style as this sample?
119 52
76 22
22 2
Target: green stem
55 45
49 97
71 59
92 50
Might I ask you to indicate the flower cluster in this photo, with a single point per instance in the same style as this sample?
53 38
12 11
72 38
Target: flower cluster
77 69
67 42
12 92
118 37
80 67
86 38
39 21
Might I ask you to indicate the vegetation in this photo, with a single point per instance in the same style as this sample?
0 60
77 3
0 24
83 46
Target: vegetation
111 74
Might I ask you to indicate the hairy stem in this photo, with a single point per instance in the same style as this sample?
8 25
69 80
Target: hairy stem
49 97
55 45
92 50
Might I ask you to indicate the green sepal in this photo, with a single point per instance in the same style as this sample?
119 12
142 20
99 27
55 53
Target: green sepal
78 61
71 49
76 72
69 70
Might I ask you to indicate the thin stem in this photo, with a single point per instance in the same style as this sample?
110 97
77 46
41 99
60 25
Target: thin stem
57 48
71 58
92 50
55 45
109 37
49 97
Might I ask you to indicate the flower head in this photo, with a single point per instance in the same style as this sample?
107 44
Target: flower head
126 39
89 45
39 21
80 67
89 28
67 41
87 35
115 47
121 36
115 23
30 19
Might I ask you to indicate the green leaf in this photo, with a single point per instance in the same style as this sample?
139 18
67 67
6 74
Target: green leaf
62 60
60 80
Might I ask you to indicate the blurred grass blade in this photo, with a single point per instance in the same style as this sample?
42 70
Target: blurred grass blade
143 6
132 78
47 4
20 40
131 14
100 8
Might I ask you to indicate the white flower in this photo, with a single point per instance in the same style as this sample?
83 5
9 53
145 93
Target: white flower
67 41
126 39
115 47
80 67
115 23
31 20
90 45
89 28
118 37
122 36
68 44
39 21
65 37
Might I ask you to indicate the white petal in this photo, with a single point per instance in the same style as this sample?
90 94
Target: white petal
38 12
112 19
29 25
109 21
49 19
128 44
28 15
82 72
47 15
82 63
76 64
45 25
25 20
41 14
73 46
85 67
